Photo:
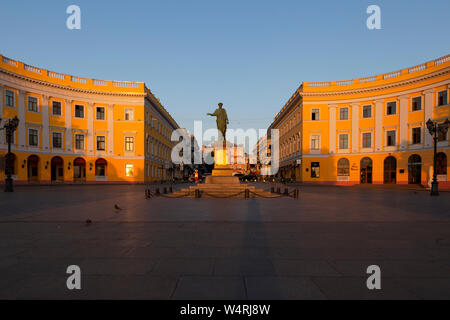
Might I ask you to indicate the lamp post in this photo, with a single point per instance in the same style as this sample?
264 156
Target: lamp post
9 127
435 129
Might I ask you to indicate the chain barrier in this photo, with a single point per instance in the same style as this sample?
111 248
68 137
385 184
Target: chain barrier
247 192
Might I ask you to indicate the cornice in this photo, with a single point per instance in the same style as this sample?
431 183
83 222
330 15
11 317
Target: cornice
73 89
378 88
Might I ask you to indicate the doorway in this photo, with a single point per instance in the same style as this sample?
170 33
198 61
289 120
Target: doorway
390 170
366 170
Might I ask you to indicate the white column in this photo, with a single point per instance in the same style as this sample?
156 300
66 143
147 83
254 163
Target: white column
110 117
90 133
332 128
355 127
68 120
45 121
403 126
21 128
428 114
378 125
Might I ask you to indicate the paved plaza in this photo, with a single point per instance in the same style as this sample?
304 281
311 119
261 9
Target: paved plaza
318 247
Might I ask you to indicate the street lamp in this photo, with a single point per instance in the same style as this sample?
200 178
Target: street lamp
9 127
435 129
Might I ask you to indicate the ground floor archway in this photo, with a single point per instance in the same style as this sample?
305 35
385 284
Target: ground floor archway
79 170
390 170
366 170
33 168
57 169
415 169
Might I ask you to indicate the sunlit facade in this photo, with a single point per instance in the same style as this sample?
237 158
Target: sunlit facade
367 131
79 130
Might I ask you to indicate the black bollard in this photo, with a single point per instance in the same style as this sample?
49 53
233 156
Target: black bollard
272 190
170 189
247 193
147 193
197 193
157 192
278 190
165 190
286 191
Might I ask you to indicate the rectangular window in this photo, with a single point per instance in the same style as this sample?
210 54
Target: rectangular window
129 143
79 142
391 108
315 142
390 138
129 114
367 112
33 137
315 169
79 111
343 113
343 141
315 114
442 98
56 108
100 113
367 140
32 104
416 135
129 170
416 104
9 98
442 136
101 143
57 140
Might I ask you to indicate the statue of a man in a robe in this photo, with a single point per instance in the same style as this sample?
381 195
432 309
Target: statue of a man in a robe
222 121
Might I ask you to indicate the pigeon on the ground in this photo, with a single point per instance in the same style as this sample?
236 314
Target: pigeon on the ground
117 207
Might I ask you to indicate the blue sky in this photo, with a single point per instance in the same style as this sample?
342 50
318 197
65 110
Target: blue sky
251 55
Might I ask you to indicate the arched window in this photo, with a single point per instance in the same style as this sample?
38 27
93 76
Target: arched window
100 167
441 163
343 167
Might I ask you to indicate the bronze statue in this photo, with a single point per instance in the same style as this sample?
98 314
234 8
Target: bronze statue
222 120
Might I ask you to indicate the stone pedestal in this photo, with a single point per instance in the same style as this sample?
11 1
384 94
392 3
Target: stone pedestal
222 168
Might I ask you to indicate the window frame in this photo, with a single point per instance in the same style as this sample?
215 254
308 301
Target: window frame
413 135
97 113
125 113
347 141
413 109
32 102
78 135
7 98
53 140
394 140
343 111
53 108
438 98
75 109
388 105
370 111
363 140
97 141
129 143
346 172
127 166
35 137
313 114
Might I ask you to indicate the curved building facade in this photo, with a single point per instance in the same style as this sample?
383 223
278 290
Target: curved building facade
79 130
367 131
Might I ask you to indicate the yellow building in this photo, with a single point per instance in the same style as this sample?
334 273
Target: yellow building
367 130
78 130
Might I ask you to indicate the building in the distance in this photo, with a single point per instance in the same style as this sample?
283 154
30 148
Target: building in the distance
367 130
79 130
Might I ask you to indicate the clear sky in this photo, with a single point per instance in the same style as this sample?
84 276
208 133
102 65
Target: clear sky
250 55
